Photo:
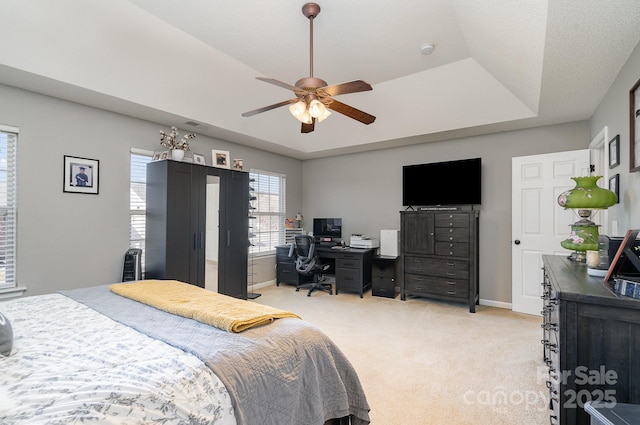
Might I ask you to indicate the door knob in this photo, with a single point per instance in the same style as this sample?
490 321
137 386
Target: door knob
517 241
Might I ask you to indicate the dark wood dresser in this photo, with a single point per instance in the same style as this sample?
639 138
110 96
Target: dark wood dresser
440 255
591 342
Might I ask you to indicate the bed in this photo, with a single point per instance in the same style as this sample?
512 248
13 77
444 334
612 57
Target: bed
92 356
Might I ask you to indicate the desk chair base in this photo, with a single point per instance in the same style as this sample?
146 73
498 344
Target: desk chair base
317 284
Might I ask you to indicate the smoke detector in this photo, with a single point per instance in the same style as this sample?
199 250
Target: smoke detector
427 48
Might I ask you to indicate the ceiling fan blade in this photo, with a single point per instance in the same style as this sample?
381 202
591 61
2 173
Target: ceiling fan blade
351 112
308 128
344 88
277 83
268 108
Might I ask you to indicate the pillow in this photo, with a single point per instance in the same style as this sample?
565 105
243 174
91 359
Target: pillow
6 336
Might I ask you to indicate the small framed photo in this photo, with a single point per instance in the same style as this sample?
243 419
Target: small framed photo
614 151
80 175
220 158
156 155
614 186
164 155
199 159
238 164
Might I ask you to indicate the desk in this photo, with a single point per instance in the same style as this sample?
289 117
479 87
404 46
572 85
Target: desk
350 266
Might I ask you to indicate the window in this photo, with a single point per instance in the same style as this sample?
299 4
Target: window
8 207
269 210
138 198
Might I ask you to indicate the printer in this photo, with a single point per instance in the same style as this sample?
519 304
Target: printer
363 241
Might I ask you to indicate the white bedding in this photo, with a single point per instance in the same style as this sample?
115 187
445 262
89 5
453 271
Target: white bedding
55 375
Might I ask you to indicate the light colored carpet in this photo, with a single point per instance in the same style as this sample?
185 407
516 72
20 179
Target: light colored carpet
428 362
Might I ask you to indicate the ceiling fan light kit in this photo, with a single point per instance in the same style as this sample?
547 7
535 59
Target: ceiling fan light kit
313 96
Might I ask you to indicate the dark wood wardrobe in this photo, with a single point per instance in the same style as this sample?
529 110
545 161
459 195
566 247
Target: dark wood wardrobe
176 224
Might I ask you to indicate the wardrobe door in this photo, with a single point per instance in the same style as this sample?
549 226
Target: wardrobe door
169 232
234 228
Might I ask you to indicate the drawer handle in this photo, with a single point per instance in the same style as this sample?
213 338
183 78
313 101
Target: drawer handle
450 263
419 288
451 292
450 282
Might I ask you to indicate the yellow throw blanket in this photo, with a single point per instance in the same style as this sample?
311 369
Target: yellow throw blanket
182 299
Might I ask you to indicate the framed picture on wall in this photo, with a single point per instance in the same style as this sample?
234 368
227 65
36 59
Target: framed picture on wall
614 152
634 124
80 175
220 158
614 186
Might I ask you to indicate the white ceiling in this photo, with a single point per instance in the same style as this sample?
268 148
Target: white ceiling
497 65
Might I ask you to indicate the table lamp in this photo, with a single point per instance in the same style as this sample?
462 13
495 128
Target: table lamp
299 219
585 197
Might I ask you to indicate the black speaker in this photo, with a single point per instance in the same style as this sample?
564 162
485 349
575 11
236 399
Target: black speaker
132 268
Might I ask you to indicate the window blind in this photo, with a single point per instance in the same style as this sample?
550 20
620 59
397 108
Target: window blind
269 209
138 199
8 206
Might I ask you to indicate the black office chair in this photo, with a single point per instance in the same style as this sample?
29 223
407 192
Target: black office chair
308 264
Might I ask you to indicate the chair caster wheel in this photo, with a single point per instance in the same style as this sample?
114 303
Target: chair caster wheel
308 295
297 289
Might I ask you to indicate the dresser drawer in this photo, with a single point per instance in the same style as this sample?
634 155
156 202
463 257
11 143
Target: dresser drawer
455 288
282 255
452 220
452 234
383 287
349 261
348 279
383 270
458 269
452 249
287 273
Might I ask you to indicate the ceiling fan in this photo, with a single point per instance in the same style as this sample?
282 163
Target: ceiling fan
313 96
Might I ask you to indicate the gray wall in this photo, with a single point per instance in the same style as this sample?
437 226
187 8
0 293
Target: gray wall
68 240
613 112
366 189
72 240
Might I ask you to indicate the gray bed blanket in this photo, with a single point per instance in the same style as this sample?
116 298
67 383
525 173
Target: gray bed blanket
287 372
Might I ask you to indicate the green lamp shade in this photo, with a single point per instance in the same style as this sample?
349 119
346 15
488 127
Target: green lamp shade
587 195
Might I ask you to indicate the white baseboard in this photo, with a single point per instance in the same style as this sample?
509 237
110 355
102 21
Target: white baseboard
498 304
260 285
488 303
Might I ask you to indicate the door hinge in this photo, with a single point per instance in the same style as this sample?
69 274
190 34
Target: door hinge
592 168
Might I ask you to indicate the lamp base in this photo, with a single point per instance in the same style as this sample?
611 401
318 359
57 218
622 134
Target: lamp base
583 237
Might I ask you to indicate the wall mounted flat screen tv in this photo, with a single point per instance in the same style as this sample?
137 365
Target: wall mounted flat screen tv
327 228
442 183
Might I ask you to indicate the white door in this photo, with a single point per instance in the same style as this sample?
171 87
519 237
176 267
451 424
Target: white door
538 223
